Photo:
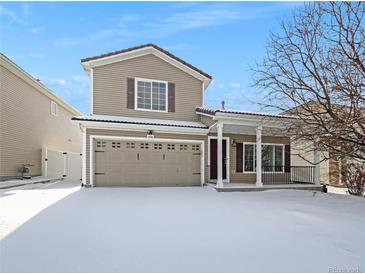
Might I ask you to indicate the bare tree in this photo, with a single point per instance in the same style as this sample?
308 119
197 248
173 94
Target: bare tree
354 175
315 68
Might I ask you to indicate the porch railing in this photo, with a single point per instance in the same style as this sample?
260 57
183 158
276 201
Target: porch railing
272 175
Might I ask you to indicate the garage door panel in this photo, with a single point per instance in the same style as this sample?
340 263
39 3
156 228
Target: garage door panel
126 163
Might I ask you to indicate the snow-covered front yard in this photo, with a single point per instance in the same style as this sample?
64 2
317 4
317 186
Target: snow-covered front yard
179 230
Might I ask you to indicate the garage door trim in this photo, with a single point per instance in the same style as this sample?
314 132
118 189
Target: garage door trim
142 139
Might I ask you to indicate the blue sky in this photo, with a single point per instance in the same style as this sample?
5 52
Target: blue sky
224 39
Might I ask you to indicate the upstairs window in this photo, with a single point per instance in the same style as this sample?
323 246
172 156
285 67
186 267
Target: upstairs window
54 108
151 95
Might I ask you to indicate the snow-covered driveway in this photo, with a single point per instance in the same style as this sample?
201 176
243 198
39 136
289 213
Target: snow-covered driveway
187 230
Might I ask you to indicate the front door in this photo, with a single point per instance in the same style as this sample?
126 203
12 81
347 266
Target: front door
213 158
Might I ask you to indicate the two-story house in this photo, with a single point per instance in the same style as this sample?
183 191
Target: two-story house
33 120
148 127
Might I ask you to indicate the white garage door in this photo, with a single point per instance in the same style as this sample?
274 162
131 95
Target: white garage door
129 163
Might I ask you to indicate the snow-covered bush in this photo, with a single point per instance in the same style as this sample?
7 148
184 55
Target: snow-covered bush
354 176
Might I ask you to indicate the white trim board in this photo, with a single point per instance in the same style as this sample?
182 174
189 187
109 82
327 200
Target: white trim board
142 139
138 127
91 91
84 150
228 159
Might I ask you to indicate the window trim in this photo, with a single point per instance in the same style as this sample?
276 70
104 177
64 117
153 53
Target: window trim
55 113
136 79
254 155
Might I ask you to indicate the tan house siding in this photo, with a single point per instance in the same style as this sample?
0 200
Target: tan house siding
206 120
304 150
335 178
105 132
110 83
26 125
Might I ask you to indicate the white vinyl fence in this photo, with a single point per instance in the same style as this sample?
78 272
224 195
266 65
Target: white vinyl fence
61 164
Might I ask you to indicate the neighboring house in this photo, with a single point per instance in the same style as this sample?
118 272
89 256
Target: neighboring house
148 127
331 169
31 118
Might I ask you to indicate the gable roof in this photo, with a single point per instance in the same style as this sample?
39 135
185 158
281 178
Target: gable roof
35 83
143 50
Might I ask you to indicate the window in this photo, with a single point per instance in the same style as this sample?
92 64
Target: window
54 108
151 95
158 146
272 158
279 158
130 145
183 147
250 157
267 157
143 146
115 144
195 147
100 144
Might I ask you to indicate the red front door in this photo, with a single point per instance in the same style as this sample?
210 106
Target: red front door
213 158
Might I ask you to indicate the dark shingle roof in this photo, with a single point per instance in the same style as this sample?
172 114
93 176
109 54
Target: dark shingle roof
144 46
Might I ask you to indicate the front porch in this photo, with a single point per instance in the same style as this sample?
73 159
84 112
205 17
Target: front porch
255 154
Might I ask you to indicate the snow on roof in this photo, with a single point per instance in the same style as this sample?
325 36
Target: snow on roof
140 121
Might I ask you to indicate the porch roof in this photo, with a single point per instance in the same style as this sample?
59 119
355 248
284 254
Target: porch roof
224 112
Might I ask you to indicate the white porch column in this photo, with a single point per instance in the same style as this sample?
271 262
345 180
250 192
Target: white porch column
317 163
219 154
258 156
84 140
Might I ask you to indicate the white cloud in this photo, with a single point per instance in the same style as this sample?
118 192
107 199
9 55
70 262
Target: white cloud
25 8
7 12
59 82
37 29
235 85
10 17
81 80
185 17
35 55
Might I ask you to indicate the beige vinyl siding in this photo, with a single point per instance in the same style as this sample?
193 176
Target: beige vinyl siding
110 94
105 132
206 120
26 125
304 149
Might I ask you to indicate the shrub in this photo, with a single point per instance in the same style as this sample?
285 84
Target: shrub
354 177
